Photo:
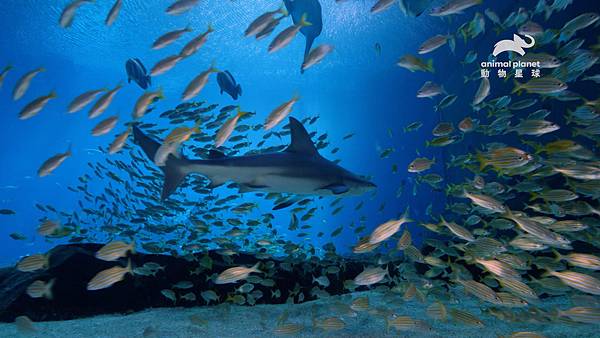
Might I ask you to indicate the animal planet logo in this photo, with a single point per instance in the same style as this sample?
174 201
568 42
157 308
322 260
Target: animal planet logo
517 45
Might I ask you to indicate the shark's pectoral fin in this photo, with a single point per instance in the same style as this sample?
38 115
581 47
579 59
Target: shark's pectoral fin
336 188
215 154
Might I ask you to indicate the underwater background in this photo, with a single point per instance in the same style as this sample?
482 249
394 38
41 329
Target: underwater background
360 105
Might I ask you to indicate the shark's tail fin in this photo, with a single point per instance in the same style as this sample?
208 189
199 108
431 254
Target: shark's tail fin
175 168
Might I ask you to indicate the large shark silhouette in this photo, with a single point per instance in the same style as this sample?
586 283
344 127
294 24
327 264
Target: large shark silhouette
300 169
312 9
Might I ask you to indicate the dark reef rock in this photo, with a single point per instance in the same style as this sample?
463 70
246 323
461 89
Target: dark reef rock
74 266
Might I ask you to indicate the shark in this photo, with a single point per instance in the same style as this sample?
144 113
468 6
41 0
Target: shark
299 169
312 9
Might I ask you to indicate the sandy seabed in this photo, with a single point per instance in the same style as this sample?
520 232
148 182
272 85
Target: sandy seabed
261 320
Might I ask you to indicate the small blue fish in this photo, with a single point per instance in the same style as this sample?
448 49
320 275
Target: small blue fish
228 84
137 72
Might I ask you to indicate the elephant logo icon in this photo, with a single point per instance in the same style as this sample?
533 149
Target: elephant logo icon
517 45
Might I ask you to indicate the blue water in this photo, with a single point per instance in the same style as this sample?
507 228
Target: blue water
352 90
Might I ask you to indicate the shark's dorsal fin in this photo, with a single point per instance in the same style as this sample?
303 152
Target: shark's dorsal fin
301 142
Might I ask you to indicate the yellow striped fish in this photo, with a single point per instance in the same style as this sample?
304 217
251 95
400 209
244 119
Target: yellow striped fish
499 268
115 250
465 317
579 281
47 227
582 314
585 261
518 288
510 300
459 231
479 290
404 241
40 289
106 278
288 329
410 292
414 254
360 304
370 276
235 274
329 323
437 311
388 229
401 323
486 202
33 263
363 246
526 334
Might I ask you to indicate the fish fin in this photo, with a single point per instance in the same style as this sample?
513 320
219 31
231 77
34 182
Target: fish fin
482 162
283 11
175 172
557 255
452 43
336 188
254 268
148 145
518 87
430 67
303 22
301 142
406 216
129 268
48 292
215 154
239 89
212 68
